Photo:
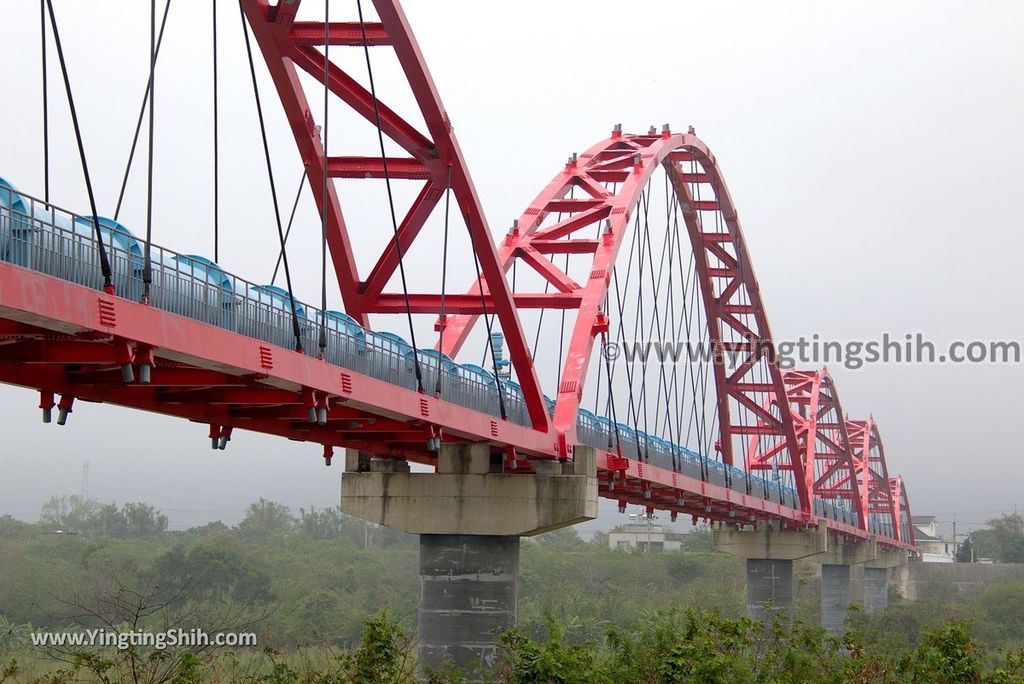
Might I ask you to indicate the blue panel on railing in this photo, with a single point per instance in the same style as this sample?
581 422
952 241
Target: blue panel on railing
433 359
49 240
278 298
10 198
205 269
115 235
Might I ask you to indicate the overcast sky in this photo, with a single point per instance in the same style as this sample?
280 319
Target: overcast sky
873 150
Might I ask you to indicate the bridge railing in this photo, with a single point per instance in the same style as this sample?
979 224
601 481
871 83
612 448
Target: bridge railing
45 238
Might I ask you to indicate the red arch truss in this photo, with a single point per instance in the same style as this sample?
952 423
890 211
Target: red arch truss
829 469
877 505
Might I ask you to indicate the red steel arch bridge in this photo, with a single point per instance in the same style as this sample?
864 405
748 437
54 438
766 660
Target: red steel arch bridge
635 239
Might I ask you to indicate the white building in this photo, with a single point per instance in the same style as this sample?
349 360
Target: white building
930 544
642 536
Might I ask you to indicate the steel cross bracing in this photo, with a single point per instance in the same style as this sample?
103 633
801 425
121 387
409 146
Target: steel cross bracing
72 342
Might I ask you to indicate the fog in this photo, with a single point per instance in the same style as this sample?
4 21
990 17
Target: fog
874 152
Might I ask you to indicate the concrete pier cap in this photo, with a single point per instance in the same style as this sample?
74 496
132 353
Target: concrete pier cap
469 495
814 544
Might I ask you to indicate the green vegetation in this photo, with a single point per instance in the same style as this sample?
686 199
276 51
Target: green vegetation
334 600
1003 541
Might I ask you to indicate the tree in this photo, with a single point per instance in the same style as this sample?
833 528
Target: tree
1004 540
12 528
110 521
142 520
965 554
328 523
264 519
564 538
68 513
215 568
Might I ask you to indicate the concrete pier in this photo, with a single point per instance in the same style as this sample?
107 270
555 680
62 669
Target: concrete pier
468 590
770 581
769 588
770 554
470 515
835 597
876 590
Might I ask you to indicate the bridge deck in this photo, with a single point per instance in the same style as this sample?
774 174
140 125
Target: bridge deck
221 356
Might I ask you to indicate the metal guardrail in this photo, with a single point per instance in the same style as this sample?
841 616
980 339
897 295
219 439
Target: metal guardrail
40 236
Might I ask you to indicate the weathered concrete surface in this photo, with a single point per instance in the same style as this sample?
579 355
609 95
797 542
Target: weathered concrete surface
769 587
813 544
465 497
835 597
963 576
772 544
468 590
876 590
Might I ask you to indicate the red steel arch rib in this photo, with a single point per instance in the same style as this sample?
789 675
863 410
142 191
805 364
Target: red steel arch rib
727 281
904 519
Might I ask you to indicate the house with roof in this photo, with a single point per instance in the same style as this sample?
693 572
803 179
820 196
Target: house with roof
931 546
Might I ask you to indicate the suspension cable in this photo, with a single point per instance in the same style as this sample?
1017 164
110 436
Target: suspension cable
46 105
323 202
391 199
270 175
138 123
147 268
444 279
291 219
611 398
216 141
487 322
108 283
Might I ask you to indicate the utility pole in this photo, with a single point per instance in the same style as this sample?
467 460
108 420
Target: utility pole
956 547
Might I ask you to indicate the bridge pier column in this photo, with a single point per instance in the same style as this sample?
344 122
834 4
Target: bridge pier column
769 588
876 590
876 578
470 516
835 597
469 585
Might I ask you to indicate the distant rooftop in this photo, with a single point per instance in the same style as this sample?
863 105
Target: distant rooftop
924 519
924 536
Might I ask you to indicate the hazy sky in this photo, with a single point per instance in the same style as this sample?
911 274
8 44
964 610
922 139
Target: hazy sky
873 149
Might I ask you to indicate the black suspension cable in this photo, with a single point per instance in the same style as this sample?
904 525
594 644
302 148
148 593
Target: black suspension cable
662 381
611 399
147 268
216 141
391 199
324 200
629 370
138 123
444 282
291 219
686 319
46 104
487 323
644 240
108 284
704 373
270 175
